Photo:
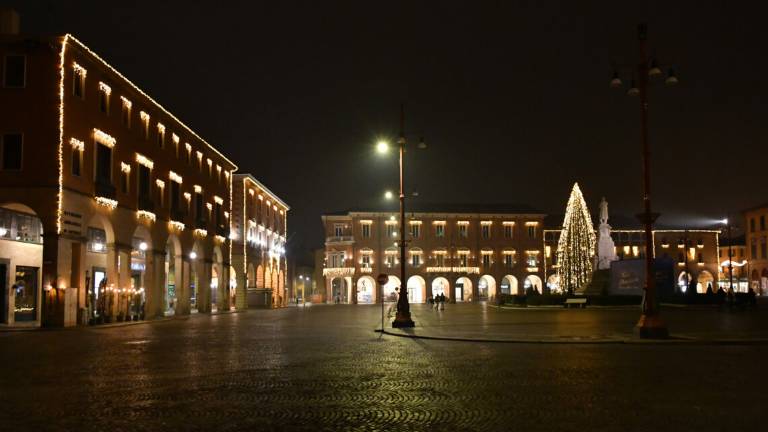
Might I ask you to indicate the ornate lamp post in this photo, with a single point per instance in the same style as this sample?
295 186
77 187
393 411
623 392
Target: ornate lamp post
403 316
650 324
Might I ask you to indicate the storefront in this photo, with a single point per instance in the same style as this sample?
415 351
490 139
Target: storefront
21 260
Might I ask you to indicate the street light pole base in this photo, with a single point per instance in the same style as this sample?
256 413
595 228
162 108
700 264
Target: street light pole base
403 320
651 327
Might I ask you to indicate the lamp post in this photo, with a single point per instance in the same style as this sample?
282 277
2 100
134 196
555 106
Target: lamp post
650 324
730 254
403 316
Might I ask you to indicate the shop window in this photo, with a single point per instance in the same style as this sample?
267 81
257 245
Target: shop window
20 227
15 71
97 240
12 149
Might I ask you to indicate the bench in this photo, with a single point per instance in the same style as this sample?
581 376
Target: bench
575 302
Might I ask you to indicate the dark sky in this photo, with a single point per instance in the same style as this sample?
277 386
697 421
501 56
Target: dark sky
512 97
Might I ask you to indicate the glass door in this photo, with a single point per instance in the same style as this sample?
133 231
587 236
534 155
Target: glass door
25 294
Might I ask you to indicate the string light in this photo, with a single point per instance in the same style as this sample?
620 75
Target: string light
106 202
201 232
105 88
176 225
60 195
124 167
77 144
576 245
104 138
175 177
127 103
143 214
143 160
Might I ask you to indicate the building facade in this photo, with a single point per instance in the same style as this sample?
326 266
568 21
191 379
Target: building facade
111 207
756 228
259 226
740 266
694 251
463 253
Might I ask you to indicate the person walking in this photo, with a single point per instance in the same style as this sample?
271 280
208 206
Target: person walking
442 301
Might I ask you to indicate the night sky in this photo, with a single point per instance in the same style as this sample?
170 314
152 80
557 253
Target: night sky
511 97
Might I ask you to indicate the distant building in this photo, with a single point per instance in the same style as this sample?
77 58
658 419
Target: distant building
740 267
756 229
467 253
694 251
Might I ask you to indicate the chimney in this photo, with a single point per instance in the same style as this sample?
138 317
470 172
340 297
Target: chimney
9 22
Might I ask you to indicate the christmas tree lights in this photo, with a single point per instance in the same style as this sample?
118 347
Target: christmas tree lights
576 247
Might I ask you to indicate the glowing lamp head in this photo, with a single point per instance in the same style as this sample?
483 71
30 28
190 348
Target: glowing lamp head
655 70
193 255
143 246
633 90
671 78
616 81
724 221
388 195
382 147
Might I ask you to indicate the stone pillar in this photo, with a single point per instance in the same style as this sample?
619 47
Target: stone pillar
155 307
183 289
241 293
122 296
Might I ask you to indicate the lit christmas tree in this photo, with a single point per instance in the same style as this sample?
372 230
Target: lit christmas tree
576 247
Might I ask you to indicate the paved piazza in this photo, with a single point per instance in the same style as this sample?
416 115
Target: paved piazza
324 368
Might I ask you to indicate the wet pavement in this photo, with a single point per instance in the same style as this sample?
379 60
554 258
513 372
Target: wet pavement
324 368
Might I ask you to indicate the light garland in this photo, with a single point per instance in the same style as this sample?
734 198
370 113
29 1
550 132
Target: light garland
124 167
160 183
105 88
200 232
176 225
218 199
209 206
143 160
60 194
576 246
106 202
147 215
104 138
77 144
127 103
187 196
160 127
175 177
79 69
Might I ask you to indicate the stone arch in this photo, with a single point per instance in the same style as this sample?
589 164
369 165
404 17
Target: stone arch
683 280
704 280
389 289
417 289
250 279
486 287
21 246
440 285
339 290
533 282
553 283
466 289
260 277
366 290
509 285
268 278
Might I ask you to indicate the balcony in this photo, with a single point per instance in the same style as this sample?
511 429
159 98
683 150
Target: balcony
339 240
338 271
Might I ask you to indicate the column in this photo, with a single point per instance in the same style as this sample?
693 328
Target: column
155 307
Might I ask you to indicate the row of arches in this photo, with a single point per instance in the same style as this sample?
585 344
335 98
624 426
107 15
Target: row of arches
262 277
463 289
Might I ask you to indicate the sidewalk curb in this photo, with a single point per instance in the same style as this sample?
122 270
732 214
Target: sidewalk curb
675 340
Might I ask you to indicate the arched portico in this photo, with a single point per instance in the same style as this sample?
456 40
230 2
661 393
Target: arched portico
440 285
390 289
463 289
366 290
553 283
532 282
417 289
486 287
509 285
705 280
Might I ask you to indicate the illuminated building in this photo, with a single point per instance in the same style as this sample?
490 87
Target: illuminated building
259 227
756 230
108 211
468 253
741 265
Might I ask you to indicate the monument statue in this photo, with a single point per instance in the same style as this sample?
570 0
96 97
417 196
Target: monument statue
605 247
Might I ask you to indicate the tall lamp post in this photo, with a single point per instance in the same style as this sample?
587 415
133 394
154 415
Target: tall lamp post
730 254
403 316
650 325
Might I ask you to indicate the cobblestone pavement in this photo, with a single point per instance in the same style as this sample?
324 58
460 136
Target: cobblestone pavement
323 368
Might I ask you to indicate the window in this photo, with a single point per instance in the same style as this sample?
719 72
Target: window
160 135
175 195
366 261
752 224
144 179
338 230
531 231
509 260
753 249
103 164
763 251
15 71
508 231
486 231
463 260
189 153
440 230
124 181
337 260
97 240
463 230
199 206
415 230
486 260
416 260
258 211
77 161
391 230
532 260
366 230
144 124
440 260
125 114
12 151
78 81
762 223
104 92
390 260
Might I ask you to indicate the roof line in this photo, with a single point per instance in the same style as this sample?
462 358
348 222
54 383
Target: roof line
135 87
249 176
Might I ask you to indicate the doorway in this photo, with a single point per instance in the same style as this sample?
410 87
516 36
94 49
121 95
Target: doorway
4 293
25 294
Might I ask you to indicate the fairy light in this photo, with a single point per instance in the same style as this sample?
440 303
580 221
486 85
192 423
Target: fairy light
160 183
145 161
187 196
105 88
576 246
175 177
77 144
143 214
60 195
104 138
106 202
209 206
79 69
218 200
127 103
160 127
176 225
200 232
124 167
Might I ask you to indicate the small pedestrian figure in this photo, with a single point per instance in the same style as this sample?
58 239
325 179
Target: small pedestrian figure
442 301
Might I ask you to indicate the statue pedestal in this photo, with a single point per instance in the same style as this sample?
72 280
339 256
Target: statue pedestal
605 248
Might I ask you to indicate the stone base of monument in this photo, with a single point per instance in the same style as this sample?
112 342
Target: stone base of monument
599 285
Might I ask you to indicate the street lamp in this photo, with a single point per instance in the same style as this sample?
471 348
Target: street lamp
403 316
730 254
388 195
650 324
